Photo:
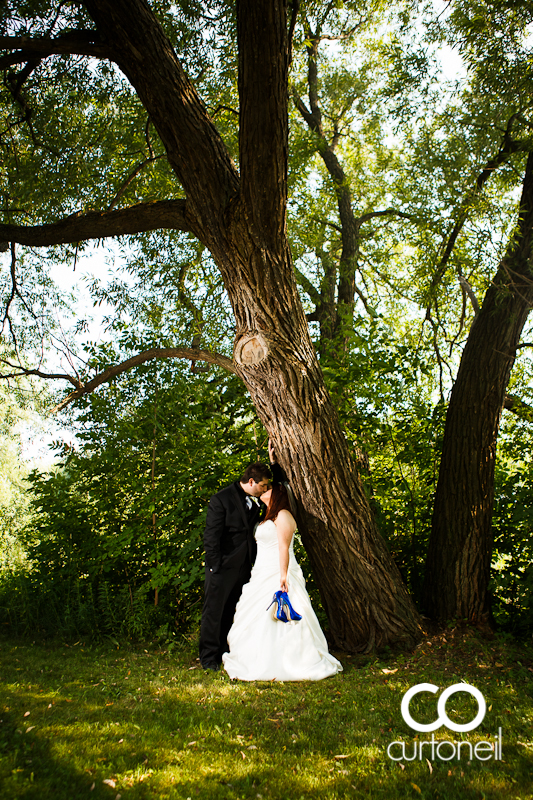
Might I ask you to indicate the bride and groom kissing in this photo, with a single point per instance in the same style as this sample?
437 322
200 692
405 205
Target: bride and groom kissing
249 554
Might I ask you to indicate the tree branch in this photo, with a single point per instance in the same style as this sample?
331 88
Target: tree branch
14 291
384 213
15 82
308 287
295 7
349 227
312 78
225 108
194 147
23 372
470 292
339 37
132 177
191 353
508 147
516 406
101 224
370 311
80 43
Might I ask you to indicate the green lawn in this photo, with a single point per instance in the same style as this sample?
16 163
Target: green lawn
91 721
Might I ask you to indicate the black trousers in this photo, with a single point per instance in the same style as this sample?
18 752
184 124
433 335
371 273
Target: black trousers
222 592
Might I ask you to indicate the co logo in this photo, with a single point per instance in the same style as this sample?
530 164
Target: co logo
443 718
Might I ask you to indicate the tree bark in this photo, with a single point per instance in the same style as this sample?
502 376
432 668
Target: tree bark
363 594
460 547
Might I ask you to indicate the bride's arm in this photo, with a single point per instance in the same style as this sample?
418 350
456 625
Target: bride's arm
285 526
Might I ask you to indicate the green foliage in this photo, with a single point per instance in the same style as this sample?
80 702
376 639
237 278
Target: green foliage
13 502
512 582
119 523
123 516
384 392
404 471
512 561
89 144
20 408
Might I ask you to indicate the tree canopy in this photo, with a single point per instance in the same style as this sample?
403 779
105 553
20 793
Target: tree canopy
307 204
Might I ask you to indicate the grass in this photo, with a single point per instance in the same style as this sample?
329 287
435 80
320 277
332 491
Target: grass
101 722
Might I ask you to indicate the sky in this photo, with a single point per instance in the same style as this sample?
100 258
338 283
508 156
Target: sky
99 262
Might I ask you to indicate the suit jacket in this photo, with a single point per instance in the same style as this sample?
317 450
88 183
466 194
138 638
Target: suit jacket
229 530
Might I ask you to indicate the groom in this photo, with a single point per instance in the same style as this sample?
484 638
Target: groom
230 550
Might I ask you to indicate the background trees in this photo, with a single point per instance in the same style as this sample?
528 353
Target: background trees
116 536
401 202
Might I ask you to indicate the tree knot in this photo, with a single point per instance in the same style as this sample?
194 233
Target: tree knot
250 349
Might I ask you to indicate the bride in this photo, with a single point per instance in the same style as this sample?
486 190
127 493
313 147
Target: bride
261 648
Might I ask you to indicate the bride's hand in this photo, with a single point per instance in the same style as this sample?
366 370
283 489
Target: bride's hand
284 586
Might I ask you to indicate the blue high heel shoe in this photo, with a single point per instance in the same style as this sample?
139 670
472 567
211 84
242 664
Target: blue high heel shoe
295 617
278 612
283 610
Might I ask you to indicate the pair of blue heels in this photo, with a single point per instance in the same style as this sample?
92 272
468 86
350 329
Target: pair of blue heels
283 611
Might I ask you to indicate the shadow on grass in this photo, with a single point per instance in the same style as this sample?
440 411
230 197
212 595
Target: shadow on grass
29 769
134 750
146 725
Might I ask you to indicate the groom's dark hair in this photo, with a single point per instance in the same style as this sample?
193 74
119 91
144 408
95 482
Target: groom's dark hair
257 472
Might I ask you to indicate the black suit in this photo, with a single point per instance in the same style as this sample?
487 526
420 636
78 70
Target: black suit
230 551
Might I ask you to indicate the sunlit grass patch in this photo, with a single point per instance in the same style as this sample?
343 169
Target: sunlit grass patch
99 722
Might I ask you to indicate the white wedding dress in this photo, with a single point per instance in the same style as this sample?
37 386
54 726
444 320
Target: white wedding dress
262 649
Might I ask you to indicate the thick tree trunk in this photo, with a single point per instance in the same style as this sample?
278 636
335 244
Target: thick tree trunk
363 593
242 219
460 547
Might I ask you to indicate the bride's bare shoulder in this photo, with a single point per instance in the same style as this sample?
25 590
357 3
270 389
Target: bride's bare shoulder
286 519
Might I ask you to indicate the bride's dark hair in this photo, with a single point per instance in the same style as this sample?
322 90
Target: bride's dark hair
279 499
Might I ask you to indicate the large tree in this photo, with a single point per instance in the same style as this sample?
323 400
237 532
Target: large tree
460 549
478 142
458 564
240 216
